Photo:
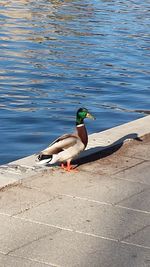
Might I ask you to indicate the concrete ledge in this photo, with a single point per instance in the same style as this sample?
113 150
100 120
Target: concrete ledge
25 167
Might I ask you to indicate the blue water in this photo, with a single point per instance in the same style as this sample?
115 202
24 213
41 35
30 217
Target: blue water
56 56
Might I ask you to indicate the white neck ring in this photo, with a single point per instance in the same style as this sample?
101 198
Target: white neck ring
80 125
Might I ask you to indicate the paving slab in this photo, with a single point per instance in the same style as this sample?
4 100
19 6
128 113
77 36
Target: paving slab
16 199
86 185
137 149
6 180
139 173
139 201
141 237
13 173
74 249
9 261
110 164
15 233
88 216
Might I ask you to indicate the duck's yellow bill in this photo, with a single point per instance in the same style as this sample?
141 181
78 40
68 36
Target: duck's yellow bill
90 116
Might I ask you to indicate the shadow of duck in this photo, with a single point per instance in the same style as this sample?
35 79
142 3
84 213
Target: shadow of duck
99 152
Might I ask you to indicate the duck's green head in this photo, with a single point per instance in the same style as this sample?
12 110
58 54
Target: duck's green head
83 113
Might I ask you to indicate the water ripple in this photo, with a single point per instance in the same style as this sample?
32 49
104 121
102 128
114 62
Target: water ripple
56 56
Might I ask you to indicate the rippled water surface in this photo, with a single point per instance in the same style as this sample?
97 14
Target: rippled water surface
56 56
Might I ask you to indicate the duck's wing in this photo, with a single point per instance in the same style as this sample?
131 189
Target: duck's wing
63 142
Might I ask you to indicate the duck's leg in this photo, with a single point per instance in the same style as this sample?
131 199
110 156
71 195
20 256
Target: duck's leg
68 167
63 166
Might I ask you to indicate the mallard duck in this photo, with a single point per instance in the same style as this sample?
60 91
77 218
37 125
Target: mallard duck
68 146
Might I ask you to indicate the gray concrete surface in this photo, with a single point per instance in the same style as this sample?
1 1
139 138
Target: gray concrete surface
96 217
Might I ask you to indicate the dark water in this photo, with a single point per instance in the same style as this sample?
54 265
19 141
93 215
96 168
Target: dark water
56 56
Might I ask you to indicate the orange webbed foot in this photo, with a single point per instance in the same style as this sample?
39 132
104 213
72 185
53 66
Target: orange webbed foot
68 168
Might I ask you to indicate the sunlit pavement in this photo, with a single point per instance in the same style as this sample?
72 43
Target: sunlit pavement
98 216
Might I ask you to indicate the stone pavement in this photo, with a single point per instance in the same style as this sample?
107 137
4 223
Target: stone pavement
96 217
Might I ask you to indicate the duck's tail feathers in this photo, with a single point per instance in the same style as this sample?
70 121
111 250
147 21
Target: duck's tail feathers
44 159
